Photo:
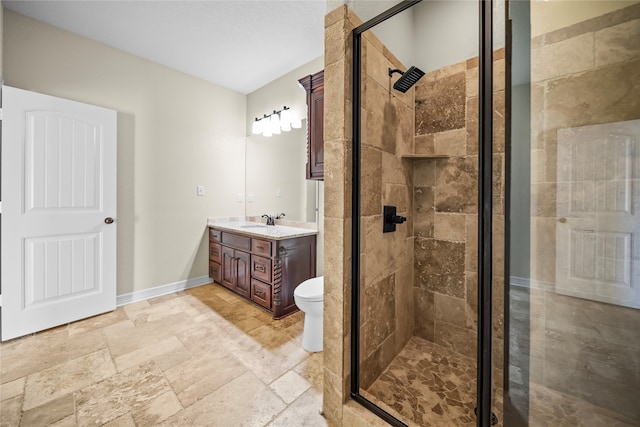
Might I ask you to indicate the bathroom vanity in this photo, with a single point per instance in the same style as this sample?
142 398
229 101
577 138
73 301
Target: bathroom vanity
261 263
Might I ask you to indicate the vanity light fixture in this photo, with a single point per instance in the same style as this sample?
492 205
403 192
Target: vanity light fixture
278 121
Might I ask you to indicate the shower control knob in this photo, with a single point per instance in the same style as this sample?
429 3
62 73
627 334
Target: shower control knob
397 219
390 219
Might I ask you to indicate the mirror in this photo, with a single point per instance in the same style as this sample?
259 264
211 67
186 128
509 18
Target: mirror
275 176
275 167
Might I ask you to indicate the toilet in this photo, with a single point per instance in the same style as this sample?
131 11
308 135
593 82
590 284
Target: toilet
308 297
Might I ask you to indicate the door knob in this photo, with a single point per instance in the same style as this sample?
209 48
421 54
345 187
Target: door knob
108 220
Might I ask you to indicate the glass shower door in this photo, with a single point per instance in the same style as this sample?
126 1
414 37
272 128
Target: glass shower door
417 152
573 323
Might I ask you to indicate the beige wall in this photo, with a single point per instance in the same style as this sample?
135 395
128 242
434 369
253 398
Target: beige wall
174 132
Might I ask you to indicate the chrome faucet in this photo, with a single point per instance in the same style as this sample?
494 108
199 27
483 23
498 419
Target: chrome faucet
271 218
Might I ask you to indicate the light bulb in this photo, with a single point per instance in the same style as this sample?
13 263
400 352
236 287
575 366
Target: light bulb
267 131
275 123
257 127
285 120
296 123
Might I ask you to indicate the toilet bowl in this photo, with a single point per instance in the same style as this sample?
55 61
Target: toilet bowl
309 297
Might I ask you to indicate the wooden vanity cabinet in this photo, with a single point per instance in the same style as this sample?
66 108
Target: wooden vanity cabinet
314 86
263 271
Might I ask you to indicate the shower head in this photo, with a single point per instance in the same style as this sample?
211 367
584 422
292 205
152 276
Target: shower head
408 78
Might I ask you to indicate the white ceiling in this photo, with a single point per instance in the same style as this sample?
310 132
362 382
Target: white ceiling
239 44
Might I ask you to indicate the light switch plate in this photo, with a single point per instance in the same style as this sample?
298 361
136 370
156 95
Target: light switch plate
200 190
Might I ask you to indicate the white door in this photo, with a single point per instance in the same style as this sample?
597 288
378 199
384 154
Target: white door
58 231
598 197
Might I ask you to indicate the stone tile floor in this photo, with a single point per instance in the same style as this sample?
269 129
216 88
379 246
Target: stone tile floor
202 357
427 385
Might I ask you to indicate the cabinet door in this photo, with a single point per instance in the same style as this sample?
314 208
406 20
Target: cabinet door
243 274
314 85
228 267
236 271
315 166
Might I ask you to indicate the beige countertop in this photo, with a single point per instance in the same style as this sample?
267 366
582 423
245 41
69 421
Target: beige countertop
256 229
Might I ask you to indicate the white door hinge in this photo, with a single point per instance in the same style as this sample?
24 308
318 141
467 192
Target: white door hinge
0 114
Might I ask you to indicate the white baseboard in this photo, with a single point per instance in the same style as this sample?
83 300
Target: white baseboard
158 291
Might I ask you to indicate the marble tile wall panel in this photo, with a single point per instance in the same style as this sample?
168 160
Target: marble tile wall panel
440 104
560 59
379 317
425 144
450 227
450 310
371 182
404 300
424 173
424 314
424 212
439 266
372 365
471 300
457 185
339 24
618 43
451 143
472 124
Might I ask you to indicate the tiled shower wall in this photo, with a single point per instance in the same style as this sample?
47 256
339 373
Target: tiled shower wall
390 288
439 197
585 74
386 258
446 207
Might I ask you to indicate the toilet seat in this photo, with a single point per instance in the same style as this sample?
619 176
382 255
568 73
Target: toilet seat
310 290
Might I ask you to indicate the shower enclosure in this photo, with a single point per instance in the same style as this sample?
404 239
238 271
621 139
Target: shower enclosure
510 295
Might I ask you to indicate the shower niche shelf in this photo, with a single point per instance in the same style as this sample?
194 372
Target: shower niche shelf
424 156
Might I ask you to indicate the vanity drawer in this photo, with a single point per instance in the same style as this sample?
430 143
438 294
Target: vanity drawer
215 234
215 272
237 241
261 293
261 268
261 247
215 252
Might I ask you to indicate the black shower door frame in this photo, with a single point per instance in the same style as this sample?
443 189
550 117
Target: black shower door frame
485 211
